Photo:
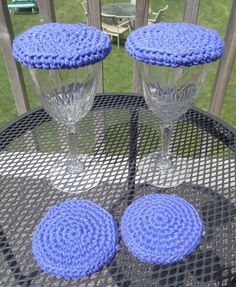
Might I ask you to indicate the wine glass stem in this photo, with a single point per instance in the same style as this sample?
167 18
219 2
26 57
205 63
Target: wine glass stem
75 165
165 158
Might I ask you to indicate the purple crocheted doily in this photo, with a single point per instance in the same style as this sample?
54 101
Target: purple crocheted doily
75 239
175 44
161 228
61 46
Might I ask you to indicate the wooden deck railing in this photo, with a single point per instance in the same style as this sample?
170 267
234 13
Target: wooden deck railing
13 67
47 13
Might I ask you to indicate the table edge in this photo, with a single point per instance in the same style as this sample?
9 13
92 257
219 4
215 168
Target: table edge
212 117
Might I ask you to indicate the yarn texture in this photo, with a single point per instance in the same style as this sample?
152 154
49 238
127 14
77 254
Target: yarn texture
161 229
75 239
61 46
175 44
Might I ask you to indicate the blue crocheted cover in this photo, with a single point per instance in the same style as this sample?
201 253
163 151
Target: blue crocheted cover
161 229
174 44
75 239
61 46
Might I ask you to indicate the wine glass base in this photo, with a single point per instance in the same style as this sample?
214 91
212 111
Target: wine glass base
151 172
62 179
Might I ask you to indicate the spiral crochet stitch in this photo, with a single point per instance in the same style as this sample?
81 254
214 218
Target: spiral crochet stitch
160 228
61 46
75 239
174 44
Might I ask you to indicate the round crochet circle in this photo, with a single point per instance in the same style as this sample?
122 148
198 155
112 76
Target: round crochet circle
175 44
75 239
161 229
61 46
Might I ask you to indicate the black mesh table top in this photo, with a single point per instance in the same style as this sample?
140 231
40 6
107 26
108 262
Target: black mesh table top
117 134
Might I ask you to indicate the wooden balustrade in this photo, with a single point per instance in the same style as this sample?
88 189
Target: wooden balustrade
13 67
47 13
191 10
94 19
141 20
225 65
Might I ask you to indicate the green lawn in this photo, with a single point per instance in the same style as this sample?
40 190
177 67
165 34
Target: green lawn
118 66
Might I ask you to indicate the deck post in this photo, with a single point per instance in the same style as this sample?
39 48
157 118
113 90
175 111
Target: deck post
47 11
191 10
94 19
141 19
13 67
225 65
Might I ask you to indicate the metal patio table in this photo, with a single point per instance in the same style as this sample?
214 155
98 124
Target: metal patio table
118 133
121 10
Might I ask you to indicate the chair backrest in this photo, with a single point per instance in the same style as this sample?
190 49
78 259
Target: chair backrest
84 4
160 14
110 20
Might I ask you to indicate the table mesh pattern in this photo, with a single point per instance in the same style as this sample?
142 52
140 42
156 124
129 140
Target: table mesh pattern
118 133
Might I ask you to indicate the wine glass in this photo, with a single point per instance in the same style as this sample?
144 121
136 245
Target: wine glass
169 93
172 64
63 64
67 95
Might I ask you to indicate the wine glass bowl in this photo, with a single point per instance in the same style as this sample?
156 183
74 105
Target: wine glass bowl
169 92
67 95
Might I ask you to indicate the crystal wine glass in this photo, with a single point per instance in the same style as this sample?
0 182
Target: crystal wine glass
173 60
67 95
169 93
63 66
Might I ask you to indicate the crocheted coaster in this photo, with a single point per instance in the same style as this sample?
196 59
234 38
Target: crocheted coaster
161 229
174 44
61 46
75 239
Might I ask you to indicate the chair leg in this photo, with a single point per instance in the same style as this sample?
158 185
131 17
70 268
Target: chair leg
118 42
